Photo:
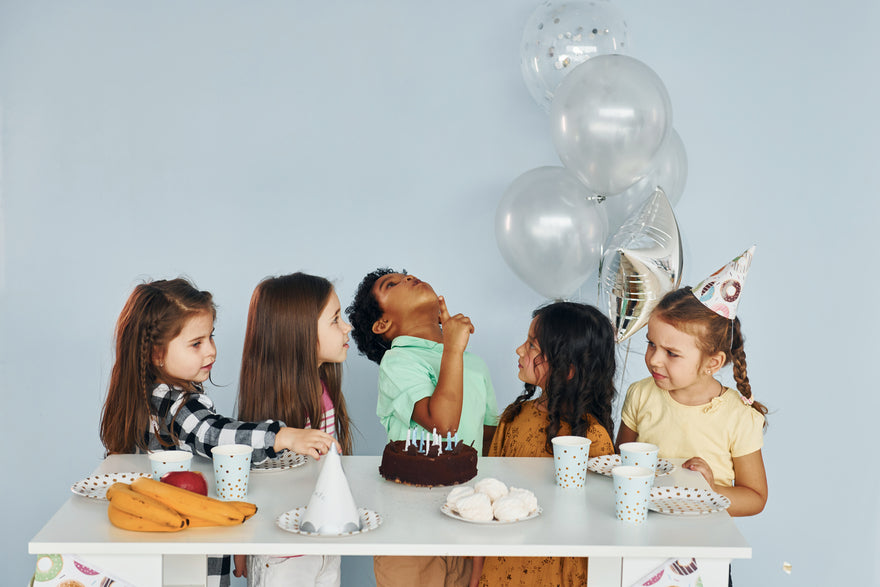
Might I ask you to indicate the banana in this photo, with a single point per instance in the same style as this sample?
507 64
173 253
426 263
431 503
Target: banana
127 521
188 503
123 498
247 510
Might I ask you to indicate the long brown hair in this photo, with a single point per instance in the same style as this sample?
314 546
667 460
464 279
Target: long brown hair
154 314
577 344
280 377
714 333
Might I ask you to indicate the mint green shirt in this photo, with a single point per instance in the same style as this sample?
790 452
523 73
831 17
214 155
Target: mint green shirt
409 372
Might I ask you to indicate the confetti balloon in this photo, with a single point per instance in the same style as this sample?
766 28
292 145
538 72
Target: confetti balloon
641 264
549 231
560 35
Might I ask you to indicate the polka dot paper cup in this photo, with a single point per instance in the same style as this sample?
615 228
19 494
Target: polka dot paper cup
232 468
632 490
570 457
165 461
639 454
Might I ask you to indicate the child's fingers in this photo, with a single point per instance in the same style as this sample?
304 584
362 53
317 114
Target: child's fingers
444 312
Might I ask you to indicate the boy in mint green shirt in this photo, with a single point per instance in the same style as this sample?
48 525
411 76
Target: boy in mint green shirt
426 376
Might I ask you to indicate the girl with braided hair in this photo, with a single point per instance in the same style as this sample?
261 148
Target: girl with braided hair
164 353
684 409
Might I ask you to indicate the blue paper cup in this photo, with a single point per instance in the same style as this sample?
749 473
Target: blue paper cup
232 468
165 461
632 489
570 457
639 454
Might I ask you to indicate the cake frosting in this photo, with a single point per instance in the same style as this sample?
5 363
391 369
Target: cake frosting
436 468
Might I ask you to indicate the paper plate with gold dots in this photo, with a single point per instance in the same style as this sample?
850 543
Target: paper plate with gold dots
290 521
605 463
683 501
95 487
288 460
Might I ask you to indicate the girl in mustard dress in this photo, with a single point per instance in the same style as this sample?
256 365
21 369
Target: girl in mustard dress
569 355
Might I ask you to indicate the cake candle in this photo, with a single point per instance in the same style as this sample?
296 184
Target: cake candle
448 440
408 431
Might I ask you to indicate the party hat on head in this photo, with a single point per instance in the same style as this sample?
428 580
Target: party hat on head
331 509
720 291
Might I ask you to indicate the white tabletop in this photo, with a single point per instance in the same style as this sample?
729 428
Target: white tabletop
573 523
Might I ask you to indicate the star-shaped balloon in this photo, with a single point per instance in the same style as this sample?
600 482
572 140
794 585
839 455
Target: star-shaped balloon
641 264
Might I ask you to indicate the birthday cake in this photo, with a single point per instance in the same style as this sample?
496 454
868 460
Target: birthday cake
402 462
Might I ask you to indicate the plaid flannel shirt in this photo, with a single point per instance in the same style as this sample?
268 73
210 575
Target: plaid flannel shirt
199 429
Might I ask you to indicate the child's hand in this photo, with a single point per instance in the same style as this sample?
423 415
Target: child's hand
457 329
305 441
240 568
702 467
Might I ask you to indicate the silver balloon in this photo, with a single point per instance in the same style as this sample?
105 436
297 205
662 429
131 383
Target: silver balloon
610 118
549 231
641 264
560 35
670 175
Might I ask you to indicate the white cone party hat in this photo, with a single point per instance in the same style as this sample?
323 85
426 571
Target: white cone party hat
331 509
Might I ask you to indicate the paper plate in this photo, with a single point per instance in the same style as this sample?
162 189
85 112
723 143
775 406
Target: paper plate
288 460
96 487
605 463
448 511
683 501
290 521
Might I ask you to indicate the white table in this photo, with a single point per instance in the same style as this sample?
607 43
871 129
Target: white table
573 523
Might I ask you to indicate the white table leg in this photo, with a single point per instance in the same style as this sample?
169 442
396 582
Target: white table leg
604 571
184 570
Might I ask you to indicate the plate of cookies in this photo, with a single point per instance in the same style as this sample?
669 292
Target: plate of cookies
490 501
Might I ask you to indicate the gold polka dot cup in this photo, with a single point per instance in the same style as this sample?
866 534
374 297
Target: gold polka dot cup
232 468
632 490
639 454
570 457
165 461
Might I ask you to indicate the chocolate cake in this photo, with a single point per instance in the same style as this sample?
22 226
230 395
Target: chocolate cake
411 467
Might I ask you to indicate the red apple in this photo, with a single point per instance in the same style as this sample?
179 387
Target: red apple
190 480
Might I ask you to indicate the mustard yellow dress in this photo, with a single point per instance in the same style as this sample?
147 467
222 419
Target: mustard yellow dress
526 436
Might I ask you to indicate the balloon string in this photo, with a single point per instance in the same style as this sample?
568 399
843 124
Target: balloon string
623 369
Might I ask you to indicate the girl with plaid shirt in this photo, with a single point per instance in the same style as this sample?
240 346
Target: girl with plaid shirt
164 353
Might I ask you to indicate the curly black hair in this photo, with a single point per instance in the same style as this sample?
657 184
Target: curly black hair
363 312
577 342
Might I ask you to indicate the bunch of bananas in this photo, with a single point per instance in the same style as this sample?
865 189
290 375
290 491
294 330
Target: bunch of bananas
147 505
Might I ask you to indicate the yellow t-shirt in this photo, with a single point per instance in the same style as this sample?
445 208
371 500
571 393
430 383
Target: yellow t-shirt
716 432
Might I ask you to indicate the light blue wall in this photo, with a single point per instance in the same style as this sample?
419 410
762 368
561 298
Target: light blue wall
229 141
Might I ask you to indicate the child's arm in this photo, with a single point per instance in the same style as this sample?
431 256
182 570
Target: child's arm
476 571
305 441
488 436
240 566
625 434
749 494
442 409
